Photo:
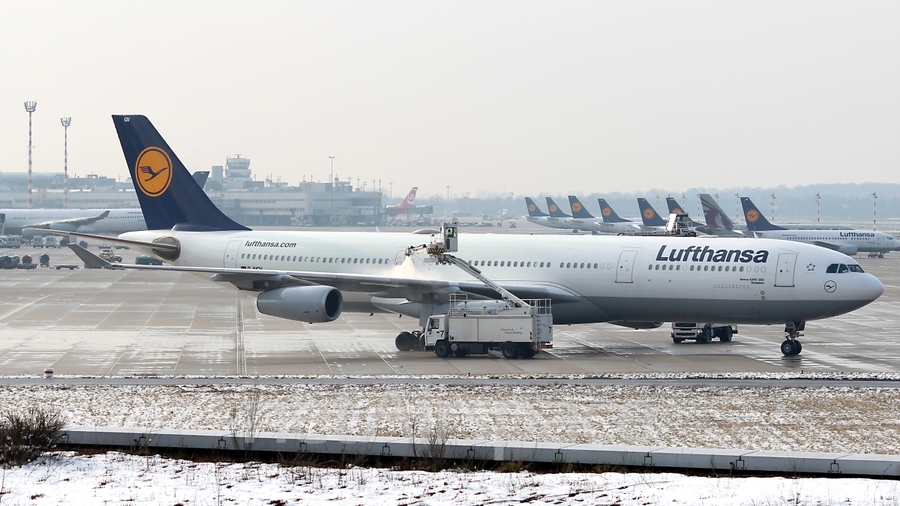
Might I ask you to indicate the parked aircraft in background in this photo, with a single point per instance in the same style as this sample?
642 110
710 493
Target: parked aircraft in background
409 202
536 216
630 281
675 207
31 222
848 242
650 218
715 214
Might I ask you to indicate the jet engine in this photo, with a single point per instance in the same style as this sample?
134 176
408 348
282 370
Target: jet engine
637 325
313 304
848 250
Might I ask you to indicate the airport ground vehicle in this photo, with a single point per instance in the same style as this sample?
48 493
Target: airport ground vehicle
478 327
50 242
516 327
37 241
44 260
9 261
108 255
27 263
702 332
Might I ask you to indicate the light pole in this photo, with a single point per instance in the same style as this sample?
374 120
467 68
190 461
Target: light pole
737 207
65 123
773 208
331 193
391 188
818 198
874 214
30 106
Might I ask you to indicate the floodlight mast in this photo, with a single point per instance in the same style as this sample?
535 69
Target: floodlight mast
30 106
65 123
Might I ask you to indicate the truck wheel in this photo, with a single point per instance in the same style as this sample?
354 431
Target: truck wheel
677 340
460 352
509 350
527 352
726 334
442 348
404 341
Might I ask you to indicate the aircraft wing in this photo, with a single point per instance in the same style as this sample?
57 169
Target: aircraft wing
828 245
71 222
412 289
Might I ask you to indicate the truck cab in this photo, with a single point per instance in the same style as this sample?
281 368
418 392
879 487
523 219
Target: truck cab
702 332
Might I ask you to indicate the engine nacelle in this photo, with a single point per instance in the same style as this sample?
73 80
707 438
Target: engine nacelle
637 325
313 304
848 250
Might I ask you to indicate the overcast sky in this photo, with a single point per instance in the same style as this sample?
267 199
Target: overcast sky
523 97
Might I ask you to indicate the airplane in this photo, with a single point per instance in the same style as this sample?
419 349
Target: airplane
636 282
714 214
649 216
610 217
587 221
536 216
848 242
675 207
409 202
31 222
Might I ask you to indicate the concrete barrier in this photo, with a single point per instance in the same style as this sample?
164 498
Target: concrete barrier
697 459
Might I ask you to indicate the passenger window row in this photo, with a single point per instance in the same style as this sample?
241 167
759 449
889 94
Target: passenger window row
706 268
322 260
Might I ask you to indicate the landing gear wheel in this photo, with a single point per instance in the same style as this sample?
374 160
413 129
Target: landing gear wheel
791 347
509 350
404 341
442 348
725 337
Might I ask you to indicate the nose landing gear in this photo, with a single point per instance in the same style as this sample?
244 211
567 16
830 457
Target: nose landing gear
791 346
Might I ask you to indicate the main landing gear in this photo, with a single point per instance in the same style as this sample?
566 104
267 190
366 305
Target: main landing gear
791 346
409 341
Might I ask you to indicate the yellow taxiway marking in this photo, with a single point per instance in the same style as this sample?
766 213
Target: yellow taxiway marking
26 306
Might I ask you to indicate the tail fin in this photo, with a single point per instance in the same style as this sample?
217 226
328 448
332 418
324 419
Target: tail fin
533 210
610 216
169 196
713 214
410 199
675 207
200 177
648 214
554 209
756 222
578 210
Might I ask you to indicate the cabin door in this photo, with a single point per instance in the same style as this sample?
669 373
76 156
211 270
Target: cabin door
625 269
785 274
231 252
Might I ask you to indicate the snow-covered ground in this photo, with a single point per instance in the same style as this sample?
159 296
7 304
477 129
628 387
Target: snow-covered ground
116 478
826 419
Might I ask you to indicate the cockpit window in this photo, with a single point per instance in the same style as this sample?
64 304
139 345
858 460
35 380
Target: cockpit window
842 269
832 269
855 268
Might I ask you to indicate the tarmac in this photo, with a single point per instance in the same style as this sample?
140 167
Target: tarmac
115 323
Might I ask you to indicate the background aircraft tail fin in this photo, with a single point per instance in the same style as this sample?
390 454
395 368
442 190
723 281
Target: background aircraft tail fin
648 214
410 199
713 214
533 210
608 214
169 196
578 210
554 209
756 222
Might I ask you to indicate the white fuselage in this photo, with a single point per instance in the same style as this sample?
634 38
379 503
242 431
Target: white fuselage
864 241
607 278
118 221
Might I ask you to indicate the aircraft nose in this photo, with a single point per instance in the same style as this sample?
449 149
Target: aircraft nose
871 288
